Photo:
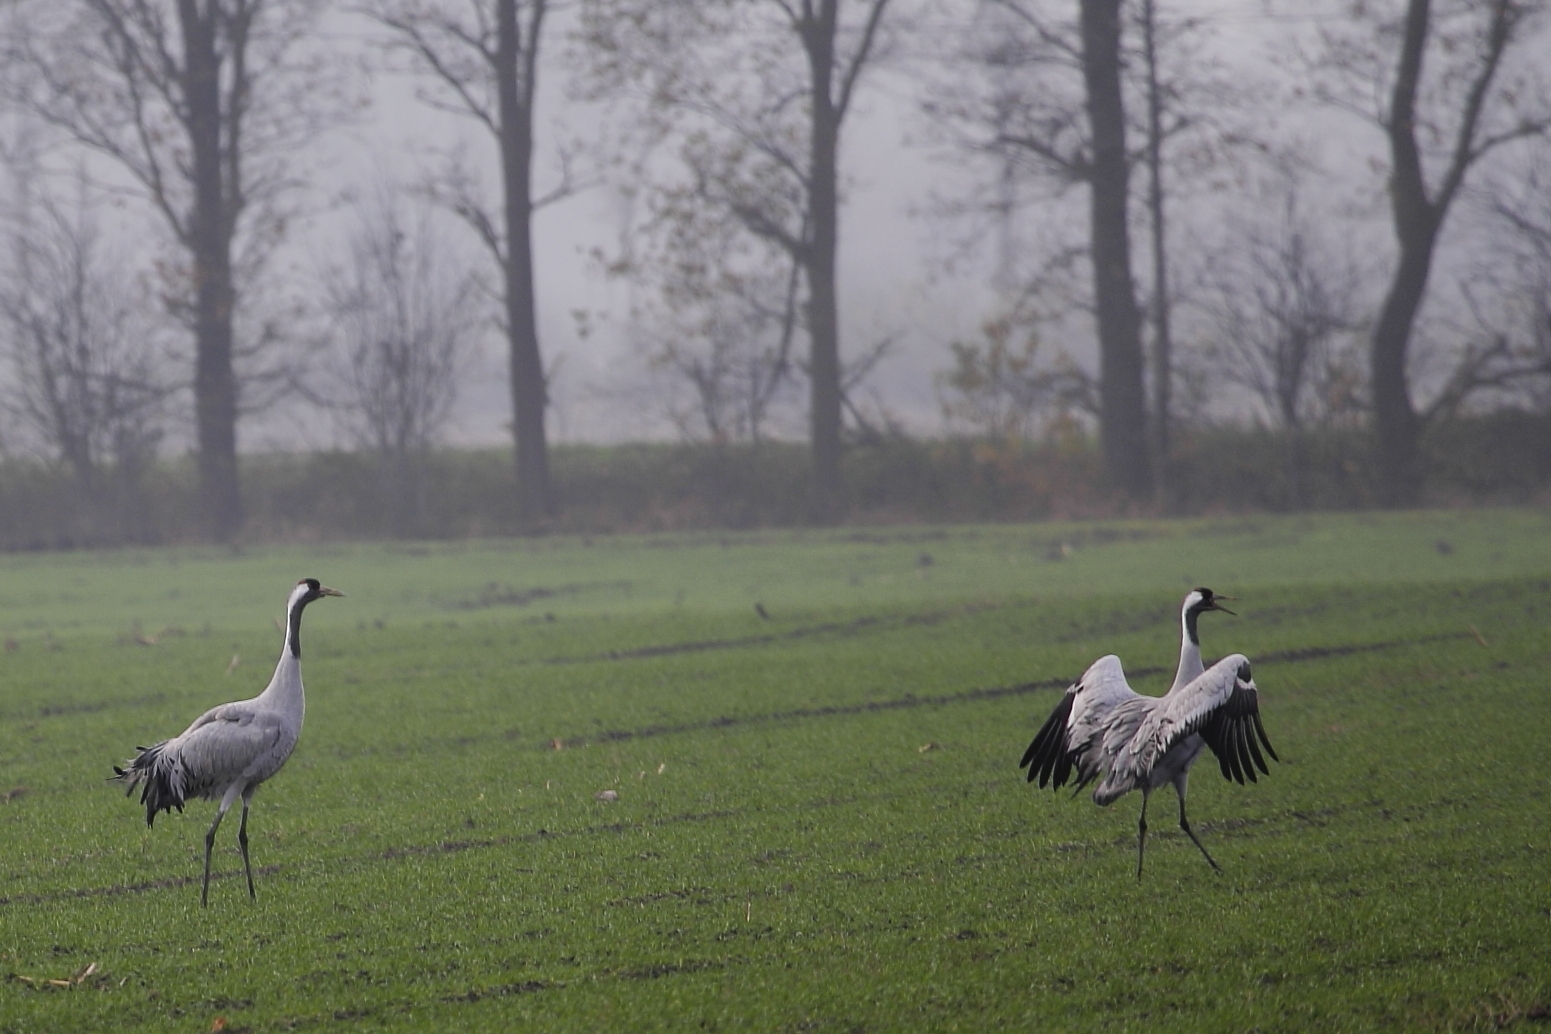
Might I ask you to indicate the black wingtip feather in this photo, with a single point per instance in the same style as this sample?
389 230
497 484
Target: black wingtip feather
1254 751
1246 762
1231 740
1047 755
1261 730
1063 765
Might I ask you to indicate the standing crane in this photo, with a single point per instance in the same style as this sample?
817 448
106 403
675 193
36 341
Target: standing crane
230 749
1101 727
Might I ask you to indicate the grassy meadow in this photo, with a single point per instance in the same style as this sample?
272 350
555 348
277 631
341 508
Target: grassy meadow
818 823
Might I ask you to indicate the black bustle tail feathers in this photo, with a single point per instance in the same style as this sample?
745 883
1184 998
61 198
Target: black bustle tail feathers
151 769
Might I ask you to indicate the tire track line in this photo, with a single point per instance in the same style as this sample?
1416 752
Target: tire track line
1300 655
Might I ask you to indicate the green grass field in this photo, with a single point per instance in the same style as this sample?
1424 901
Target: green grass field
819 823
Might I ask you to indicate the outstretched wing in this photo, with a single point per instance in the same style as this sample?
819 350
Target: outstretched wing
1223 705
1070 734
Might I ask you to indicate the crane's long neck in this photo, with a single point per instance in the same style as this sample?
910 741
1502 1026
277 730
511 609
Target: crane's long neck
1190 664
285 688
293 629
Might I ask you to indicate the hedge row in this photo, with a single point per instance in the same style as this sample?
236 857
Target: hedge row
1501 458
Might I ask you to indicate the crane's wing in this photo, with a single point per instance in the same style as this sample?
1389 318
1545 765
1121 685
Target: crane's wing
1223 705
225 743
232 712
1074 729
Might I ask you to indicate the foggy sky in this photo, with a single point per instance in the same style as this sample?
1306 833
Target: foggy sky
905 273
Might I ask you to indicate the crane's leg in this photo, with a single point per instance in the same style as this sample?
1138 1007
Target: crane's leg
1141 837
1179 788
220 813
242 840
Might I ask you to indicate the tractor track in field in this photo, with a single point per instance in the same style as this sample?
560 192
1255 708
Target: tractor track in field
838 629
439 847
911 700
483 992
1121 622
541 835
82 707
1115 623
118 889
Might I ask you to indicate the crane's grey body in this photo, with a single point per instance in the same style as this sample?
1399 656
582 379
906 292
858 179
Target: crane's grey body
1102 728
232 748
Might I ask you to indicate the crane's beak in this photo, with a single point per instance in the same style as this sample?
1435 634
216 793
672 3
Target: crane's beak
324 590
1217 603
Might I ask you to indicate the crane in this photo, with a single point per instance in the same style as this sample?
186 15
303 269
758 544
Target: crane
232 748
1101 727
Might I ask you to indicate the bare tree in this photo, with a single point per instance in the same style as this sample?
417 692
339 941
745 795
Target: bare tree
202 104
1507 357
1524 333
1163 333
718 311
1006 390
1033 92
406 315
1282 304
1453 85
760 91
1160 98
482 57
1121 396
1052 106
736 359
87 361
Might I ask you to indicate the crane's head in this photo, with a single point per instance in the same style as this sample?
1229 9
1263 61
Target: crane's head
1198 602
1201 600
307 590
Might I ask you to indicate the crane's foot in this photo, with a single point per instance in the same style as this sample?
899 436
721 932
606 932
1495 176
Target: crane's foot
1193 839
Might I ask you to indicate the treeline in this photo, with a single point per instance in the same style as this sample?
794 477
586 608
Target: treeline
1146 180
335 496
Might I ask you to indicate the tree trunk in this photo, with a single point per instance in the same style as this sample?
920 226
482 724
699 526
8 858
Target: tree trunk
1122 399
516 81
210 232
1163 340
1395 423
823 305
